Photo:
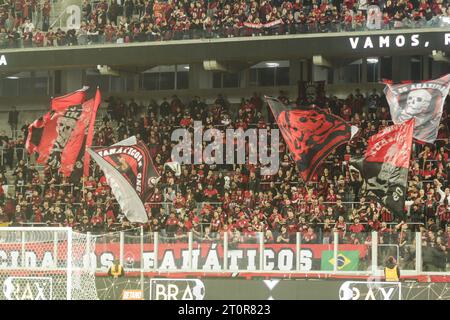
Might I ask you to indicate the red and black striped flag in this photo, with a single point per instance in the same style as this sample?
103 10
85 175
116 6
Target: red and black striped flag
384 167
310 134
423 101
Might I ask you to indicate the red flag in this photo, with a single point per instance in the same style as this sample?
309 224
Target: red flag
73 147
49 135
35 131
61 103
90 135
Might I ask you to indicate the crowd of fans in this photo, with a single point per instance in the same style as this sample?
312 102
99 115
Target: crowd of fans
211 200
27 22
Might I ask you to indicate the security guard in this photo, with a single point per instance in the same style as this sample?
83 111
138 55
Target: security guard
391 270
116 270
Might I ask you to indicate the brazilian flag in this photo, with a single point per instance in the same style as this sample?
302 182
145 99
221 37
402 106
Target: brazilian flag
346 260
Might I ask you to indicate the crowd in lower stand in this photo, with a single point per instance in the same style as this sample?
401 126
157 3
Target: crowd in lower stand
211 200
26 23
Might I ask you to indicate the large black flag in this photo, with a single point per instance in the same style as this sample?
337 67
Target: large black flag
384 167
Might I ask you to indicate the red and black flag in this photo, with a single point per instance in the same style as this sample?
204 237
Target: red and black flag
310 134
90 134
384 167
74 156
49 135
423 101
131 174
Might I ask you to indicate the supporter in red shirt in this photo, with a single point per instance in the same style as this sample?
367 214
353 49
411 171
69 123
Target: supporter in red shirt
346 112
374 223
97 220
291 222
179 201
341 227
211 193
242 223
356 227
216 222
310 236
37 214
171 224
38 39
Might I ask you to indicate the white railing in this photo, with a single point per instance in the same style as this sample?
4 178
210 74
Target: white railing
191 253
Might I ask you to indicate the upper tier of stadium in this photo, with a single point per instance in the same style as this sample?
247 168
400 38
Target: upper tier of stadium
73 22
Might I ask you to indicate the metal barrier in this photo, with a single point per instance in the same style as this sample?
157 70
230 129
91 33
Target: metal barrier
10 156
234 252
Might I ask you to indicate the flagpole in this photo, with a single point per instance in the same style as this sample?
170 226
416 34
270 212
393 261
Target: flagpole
82 189
90 135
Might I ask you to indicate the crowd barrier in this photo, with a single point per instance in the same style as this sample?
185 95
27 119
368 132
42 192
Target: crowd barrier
140 251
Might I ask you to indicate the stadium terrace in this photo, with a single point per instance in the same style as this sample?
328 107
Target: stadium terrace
295 149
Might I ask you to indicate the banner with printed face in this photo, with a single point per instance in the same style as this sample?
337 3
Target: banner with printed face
423 101
130 173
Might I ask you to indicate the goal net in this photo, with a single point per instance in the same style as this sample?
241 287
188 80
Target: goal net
46 264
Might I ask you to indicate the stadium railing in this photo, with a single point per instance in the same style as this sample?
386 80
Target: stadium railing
235 252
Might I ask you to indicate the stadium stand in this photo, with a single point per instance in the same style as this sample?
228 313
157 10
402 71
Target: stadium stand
28 23
211 200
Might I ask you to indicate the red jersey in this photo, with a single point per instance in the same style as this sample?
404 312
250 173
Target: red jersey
356 228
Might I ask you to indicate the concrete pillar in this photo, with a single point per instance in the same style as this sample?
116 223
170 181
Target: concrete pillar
71 80
303 70
426 67
401 68
244 78
295 70
193 75
319 73
438 69
198 77
136 82
363 78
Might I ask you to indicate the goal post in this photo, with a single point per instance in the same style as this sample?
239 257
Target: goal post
46 263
